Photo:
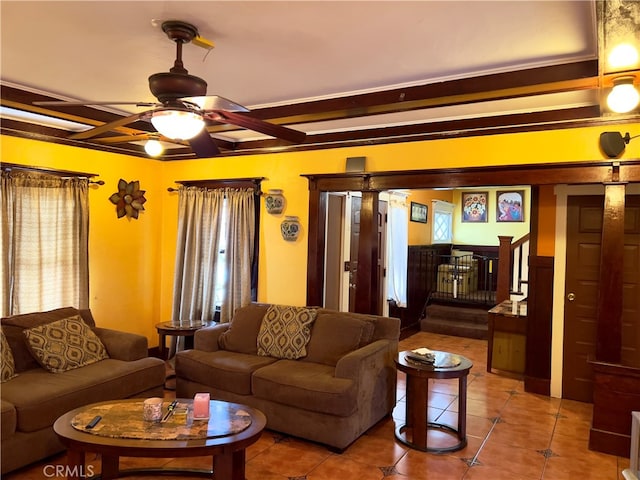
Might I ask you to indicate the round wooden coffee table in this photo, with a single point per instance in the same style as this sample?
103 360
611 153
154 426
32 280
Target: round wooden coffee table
176 438
414 433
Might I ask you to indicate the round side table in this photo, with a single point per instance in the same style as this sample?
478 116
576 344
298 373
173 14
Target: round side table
418 376
169 329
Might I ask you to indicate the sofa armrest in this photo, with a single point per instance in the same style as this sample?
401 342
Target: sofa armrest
123 345
372 368
206 339
367 358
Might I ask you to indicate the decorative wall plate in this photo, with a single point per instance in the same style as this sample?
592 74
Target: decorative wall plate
129 199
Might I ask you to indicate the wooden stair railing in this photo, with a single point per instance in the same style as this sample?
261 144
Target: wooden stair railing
506 267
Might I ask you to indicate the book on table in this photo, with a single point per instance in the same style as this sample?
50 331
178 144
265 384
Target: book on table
422 356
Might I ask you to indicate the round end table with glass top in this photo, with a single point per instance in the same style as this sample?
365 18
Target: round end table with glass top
414 433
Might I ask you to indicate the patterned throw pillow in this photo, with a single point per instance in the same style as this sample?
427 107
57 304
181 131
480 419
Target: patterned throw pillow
65 344
7 365
285 331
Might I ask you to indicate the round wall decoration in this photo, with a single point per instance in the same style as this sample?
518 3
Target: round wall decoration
274 201
129 199
290 228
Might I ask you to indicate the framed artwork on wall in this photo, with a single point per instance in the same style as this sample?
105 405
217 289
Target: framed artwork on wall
510 206
474 206
418 212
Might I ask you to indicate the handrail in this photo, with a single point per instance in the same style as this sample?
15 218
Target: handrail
522 240
506 268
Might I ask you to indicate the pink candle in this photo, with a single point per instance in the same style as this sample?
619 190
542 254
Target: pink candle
201 405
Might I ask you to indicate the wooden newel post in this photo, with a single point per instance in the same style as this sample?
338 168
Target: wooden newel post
503 289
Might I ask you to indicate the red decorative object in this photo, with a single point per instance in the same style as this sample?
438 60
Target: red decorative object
129 199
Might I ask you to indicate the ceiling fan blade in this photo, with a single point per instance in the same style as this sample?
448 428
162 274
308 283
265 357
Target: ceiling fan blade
92 132
215 102
62 103
257 125
203 145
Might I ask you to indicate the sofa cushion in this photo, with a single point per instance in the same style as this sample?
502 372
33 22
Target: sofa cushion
65 344
14 325
40 397
8 419
306 385
334 335
223 370
383 327
7 365
285 331
242 335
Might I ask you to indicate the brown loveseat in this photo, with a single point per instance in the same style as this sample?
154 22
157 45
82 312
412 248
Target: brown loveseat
344 383
35 398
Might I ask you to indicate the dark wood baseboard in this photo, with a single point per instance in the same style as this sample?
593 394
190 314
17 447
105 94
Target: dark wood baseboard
408 331
609 442
616 393
541 386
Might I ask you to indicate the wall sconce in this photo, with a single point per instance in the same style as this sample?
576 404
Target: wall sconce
623 97
177 123
153 147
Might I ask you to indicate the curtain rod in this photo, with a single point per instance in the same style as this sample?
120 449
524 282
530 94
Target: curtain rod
171 189
222 183
57 172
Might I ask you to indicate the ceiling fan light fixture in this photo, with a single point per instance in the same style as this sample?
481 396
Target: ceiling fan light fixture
623 97
153 147
177 124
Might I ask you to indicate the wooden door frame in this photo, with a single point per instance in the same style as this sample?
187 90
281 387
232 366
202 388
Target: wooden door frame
371 183
576 173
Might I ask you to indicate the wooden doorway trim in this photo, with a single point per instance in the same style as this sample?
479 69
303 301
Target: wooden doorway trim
575 173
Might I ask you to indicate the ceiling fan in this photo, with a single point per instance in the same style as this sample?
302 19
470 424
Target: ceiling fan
184 106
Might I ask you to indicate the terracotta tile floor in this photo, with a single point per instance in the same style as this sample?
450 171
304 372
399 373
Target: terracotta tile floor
511 435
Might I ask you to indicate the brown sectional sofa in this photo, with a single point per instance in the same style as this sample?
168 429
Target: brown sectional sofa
35 398
344 385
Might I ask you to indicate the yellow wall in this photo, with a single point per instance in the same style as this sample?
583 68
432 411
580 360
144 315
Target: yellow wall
132 261
420 233
546 221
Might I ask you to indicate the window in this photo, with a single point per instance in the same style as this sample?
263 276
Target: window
442 226
44 242
216 251
221 266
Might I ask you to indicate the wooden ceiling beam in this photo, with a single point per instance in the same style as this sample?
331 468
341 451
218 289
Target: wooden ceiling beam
535 81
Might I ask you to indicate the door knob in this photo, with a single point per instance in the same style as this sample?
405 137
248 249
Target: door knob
571 297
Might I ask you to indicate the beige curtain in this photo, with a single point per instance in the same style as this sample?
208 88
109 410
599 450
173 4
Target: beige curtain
199 222
214 253
45 236
240 251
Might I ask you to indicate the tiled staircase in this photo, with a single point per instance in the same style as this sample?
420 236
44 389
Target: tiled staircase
454 320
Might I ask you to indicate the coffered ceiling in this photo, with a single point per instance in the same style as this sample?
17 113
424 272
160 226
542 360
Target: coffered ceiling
343 72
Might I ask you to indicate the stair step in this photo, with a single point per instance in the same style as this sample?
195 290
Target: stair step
454 327
460 314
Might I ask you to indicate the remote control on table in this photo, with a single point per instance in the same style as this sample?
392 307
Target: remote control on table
93 422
